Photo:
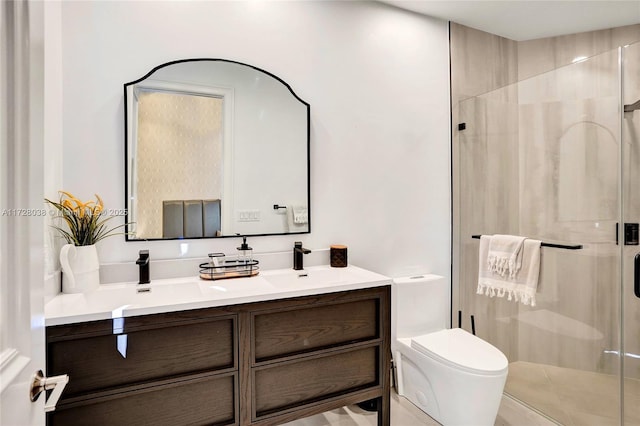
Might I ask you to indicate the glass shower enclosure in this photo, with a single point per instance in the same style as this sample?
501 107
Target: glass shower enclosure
556 158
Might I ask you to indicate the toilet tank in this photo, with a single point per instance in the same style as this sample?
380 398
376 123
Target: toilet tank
419 305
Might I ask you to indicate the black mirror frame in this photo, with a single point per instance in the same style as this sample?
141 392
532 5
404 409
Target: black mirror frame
126 148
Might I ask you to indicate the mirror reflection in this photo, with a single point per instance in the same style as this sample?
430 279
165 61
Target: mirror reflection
215 148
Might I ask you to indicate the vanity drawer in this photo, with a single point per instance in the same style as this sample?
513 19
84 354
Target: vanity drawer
102 360
290 384
305 329
204 401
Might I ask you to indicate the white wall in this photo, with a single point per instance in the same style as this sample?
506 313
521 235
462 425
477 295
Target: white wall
376 77
53 141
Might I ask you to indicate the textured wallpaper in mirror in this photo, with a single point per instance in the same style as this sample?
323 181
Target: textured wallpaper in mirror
179 154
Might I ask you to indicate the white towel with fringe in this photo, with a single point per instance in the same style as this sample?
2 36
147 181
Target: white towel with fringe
505 255
523 285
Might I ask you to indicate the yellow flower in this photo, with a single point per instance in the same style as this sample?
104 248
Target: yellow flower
67 203
100 206
85 221
71 196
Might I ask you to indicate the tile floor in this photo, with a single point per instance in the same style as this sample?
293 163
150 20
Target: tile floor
404 413
573 397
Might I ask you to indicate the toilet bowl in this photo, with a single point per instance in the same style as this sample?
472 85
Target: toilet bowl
455 377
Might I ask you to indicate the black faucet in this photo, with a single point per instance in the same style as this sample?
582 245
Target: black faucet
143 262
298 251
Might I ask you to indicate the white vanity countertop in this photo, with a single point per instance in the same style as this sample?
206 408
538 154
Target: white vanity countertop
178 294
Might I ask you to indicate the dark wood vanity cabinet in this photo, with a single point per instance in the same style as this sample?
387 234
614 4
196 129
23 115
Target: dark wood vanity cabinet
164 369
263 363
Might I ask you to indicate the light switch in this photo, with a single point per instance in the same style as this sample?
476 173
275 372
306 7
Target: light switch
248 215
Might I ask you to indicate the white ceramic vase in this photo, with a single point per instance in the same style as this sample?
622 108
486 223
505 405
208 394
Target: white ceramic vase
80 268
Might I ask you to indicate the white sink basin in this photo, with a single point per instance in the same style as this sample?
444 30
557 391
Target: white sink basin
127 296
315 276
233 286
180 291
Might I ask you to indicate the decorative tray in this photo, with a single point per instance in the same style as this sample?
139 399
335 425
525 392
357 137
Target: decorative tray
225 269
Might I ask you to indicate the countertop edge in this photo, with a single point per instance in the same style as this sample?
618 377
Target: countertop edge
56 318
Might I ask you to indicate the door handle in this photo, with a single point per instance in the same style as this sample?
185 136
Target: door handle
41 383
636 275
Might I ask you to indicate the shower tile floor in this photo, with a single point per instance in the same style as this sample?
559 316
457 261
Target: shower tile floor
573 397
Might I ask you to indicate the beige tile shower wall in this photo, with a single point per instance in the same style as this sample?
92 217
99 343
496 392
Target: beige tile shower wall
569 132
569 139
546 54
530 144
575 321
480 62
485 169
489 171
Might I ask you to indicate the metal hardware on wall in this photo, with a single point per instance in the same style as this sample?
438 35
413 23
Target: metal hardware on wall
636 275
631 236
473 325
632 107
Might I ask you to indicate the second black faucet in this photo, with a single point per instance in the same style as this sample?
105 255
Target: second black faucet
298 251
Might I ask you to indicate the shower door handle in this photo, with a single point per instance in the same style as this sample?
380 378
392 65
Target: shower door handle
636 275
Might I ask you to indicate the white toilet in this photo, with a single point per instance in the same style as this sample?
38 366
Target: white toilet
452 375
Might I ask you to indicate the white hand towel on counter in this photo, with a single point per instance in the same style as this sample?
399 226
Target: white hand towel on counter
523 286
505 254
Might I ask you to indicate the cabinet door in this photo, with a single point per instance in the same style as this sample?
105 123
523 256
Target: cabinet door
126 354
207 400
305 329
290 384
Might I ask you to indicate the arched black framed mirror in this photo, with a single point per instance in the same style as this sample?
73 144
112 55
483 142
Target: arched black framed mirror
215 148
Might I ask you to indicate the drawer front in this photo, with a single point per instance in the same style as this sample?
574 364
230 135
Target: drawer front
291 384
204 401
104 361
306 329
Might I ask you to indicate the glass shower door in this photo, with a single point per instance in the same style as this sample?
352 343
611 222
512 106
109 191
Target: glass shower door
542 158
631 187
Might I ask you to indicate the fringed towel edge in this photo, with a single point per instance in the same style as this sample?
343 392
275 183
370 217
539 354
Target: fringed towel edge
512 294
501 265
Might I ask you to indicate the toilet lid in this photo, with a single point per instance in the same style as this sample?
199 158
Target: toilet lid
462 349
